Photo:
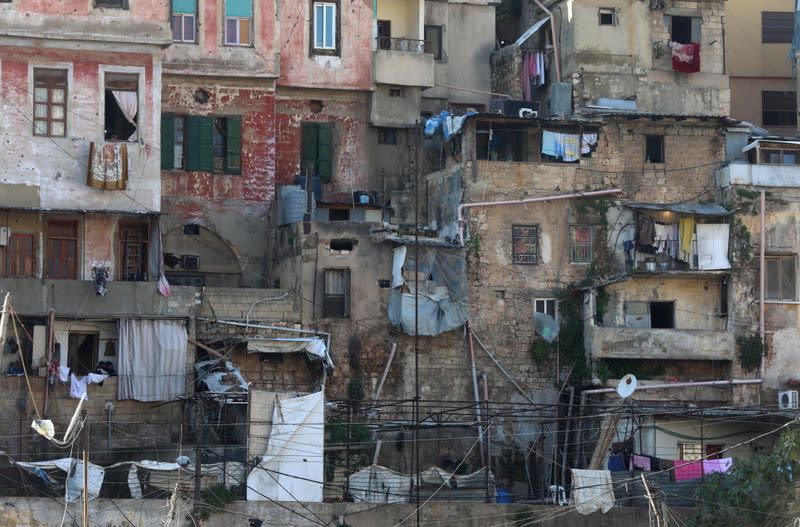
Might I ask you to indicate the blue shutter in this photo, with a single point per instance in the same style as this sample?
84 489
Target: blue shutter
186 7
239 8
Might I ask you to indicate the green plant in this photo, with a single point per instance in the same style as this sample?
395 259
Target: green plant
215 499
758 492
751 350
355 389
337 433
541 351
603 371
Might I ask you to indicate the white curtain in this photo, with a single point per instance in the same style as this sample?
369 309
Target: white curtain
128 102
293 463
151 360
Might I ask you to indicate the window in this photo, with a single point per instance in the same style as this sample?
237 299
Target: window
325 19
396 92
525 242
338 214
238 21
336 293
202 143
122 106
654 149
607 16
316 156
62 250
777 27
779 108
694 451
780 278
387 136
18 257
82 352
780 157
115 4
580 244
546 306
384 34
657 315
49 102
133 252
184 14
685 29
433 41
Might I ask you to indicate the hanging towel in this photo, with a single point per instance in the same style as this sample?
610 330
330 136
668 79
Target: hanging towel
688 470
640 462
662 237
685 57
587 142
686 231
108 166
592 490
717 465
572 147
550 143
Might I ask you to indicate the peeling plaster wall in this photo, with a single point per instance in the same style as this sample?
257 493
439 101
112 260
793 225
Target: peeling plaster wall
141 10
57 166
349 114
234 206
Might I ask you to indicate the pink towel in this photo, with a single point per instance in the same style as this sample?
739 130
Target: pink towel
688 470
642 462
717 465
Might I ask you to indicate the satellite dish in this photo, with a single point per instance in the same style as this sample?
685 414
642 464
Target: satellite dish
626 386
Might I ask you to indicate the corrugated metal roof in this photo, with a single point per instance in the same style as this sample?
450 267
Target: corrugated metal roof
698 209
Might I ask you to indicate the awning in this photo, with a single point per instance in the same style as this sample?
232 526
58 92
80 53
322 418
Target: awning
314 347
531 31
776 142
697 209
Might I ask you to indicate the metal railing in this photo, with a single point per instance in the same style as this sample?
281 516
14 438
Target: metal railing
401 44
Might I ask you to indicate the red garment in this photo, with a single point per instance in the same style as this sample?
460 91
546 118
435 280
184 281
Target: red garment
686 57
687 470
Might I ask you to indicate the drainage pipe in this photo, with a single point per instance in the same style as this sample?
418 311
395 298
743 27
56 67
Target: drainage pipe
463 206
475 395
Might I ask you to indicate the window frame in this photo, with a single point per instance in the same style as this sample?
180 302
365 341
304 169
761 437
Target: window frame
344 297
607 11
574 245
133 71
547 302
325 49
144 229
104 4
198 162
773 35
73 272
387 136
439 40
238 43
663 149
776 108
50 85
526 258
778 258
183 39
7 256
326 175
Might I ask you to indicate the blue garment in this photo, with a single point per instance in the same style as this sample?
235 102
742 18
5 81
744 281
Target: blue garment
550 144
617 463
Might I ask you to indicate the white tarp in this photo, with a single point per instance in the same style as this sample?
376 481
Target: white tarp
592 490
165 476
377 484
292 467
152 359
74 470
397 266
221 376
712 246
314 347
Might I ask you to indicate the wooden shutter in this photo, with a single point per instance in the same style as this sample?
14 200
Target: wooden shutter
200 143
167 142
308 153
233 146
325 152
777 27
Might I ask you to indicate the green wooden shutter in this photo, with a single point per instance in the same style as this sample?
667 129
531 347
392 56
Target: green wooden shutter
325 152
308 152
167 142
233 145
200 143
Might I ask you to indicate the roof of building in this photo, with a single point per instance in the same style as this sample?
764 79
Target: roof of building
698 209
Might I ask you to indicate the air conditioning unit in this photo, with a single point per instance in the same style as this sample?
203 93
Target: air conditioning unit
528 113
190 262
5 233
787 400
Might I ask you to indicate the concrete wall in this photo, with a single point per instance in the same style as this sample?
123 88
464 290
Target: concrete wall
402 68
621 62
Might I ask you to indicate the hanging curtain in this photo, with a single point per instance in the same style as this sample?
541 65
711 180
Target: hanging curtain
128 102
108 166
151 359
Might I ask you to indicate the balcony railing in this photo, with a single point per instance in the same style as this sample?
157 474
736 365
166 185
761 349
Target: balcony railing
401 44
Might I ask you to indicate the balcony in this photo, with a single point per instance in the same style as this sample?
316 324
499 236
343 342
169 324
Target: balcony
766 175
661 344
402 63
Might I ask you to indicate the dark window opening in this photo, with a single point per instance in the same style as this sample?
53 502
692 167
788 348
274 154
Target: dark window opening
396 92
387 136
82 349
607 17
121 107
192 229
681 31
433 41
384 34
662 315
525 244
186 280
339 214
507 143
114 4
654 149
342 245
336 293
133 241
777 27
779 108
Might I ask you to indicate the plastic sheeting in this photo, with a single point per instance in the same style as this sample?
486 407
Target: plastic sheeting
377 484
152 359
442 295
74 470
221 376
447 124
314 347
292 467
592 490
712 246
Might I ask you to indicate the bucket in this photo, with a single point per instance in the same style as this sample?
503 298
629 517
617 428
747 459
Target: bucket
650 264
504 496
